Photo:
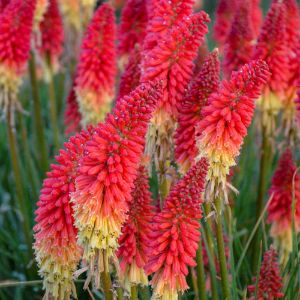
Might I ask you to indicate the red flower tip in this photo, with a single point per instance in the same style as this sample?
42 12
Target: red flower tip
280 208
270 281
227 116
52 34
175 234
55 244
131 77
96 70
132 28
272 47
15 36
135 233
72 115
172 58
203 84
239 44
108 170
224 15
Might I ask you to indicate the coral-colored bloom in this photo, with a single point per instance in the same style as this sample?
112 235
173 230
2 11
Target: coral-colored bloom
52 34
175 235
72 115
107 173
239 44
15 35
272 47
270 281
55 235
224 15
204 83
280 208
130 79
163 15
135 233
172 58
132 28
227 116
96 70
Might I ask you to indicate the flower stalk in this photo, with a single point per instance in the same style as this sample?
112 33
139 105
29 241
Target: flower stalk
221 249
37 110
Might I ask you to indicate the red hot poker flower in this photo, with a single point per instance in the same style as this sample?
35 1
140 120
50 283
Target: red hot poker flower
226 118
107 172
52 34
175 234
96 70
239 45
56 250
204 83
72 114
224 15
272 47
270 281
135 233
280 208
132 28
15 36
173 57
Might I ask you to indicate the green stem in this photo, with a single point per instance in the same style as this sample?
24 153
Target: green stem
221 249
144 292
200 273
32 175
263 174
13 147
38 120
134 294
210 249
107 285
120 293
53 107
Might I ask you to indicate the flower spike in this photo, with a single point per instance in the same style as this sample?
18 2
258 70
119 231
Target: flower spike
15 35
132 28
226 118
56 250
272 47
204 83
239 44
52 35
224 15
135 233
175 235
107 173
270 281
280 208
96 69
